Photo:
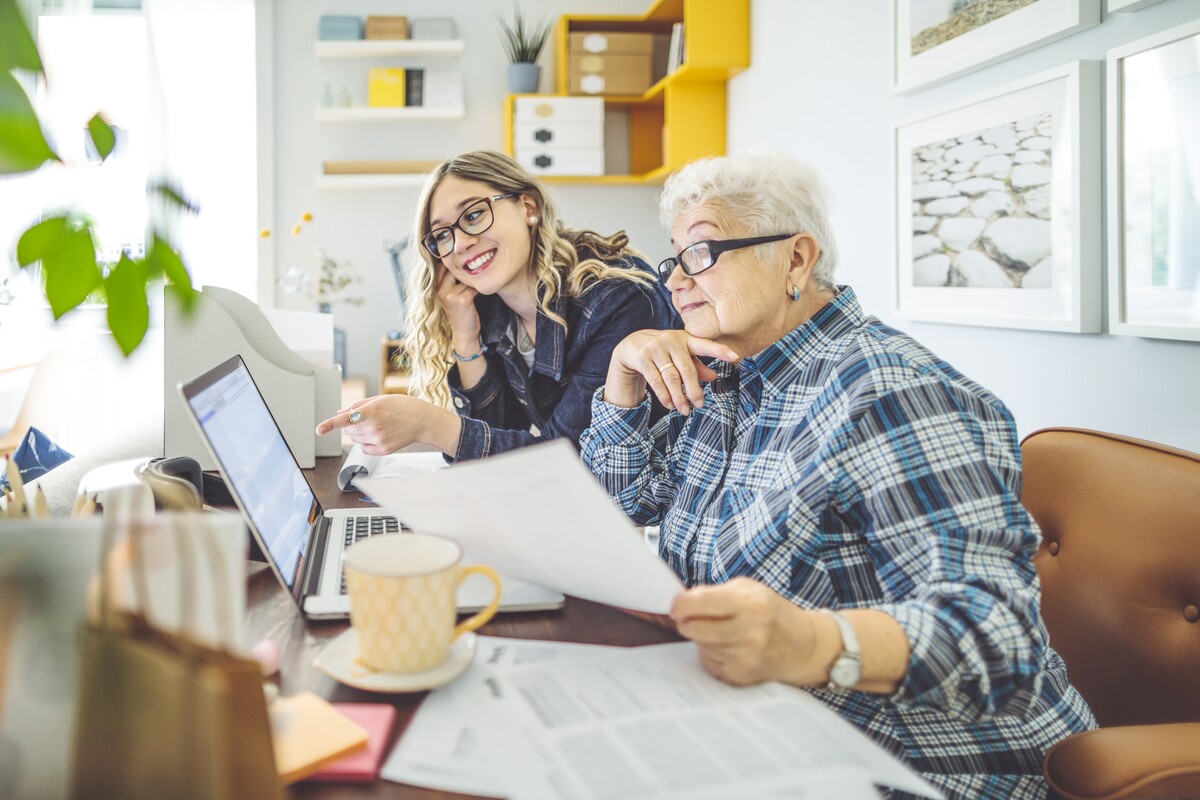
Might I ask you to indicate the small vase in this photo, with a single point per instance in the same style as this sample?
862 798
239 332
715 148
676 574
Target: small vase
524 78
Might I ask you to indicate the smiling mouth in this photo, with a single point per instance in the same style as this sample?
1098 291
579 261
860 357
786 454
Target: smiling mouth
479 263
689 307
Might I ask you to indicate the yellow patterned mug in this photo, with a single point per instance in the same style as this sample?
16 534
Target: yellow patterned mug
402 599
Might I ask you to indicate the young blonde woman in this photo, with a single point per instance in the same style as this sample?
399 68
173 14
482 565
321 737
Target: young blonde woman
513 318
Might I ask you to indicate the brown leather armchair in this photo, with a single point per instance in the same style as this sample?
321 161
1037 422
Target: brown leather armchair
1120 569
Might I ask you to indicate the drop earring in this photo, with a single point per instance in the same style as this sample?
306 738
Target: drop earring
795 293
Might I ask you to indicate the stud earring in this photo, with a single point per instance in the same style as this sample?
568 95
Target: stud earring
533 221
795 293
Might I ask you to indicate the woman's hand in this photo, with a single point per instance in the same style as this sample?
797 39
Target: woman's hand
458 301
666 362
747 633
390 422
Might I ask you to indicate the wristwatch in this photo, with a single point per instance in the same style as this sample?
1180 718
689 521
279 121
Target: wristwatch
846 670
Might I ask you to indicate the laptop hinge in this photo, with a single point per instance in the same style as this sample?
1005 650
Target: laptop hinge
316 557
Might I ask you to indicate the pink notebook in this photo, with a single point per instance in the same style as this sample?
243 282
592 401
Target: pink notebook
362 766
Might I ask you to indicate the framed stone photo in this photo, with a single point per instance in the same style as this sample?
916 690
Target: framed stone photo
1153 185
998 206
934 40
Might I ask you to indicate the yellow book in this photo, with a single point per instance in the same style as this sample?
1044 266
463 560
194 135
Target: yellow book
386 87
309 733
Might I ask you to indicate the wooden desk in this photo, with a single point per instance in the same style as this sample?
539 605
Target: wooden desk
272 614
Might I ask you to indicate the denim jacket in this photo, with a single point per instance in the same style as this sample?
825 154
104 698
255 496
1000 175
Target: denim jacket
569 365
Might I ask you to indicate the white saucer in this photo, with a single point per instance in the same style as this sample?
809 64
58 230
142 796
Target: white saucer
339 660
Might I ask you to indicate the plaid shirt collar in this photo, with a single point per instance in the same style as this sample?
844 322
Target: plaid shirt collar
780 363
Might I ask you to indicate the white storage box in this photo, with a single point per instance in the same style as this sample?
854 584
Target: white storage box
559 135
560 109
565 161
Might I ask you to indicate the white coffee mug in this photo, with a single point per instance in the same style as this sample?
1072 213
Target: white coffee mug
403 589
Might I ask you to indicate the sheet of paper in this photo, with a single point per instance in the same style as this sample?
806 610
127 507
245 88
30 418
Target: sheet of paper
596 722
649 721
443 746
410 461
538 515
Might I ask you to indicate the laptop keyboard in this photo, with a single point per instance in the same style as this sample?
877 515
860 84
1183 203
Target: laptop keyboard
359 528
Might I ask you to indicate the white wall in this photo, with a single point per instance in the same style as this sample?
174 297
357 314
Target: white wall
819 86
353 223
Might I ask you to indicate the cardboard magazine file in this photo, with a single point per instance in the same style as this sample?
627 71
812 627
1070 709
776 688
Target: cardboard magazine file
160 713
300 392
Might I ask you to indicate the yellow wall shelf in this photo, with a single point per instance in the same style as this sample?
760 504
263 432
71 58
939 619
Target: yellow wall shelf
681 117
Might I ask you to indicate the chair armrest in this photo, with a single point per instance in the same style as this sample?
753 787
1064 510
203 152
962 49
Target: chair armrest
1123 763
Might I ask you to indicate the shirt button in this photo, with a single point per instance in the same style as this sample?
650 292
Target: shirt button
458 402
748 407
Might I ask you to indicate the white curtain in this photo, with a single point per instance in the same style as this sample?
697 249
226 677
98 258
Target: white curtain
203 95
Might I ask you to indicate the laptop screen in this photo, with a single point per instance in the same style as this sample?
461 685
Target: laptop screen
261 471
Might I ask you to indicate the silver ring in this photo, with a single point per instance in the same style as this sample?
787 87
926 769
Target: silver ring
355 417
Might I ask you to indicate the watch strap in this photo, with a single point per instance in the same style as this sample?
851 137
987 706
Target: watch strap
849 657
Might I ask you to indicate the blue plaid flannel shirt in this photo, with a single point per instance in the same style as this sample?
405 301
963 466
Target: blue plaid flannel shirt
846 466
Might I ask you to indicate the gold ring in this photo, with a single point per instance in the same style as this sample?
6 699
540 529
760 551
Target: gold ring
664 366
355 417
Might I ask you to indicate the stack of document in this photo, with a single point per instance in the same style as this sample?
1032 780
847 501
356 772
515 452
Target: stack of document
553 720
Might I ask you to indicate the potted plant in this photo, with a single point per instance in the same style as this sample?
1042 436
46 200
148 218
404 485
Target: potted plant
523 42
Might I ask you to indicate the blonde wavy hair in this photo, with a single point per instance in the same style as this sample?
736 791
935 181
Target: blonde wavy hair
563 259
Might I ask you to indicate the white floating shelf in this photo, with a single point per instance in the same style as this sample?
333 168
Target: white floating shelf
374 48
378 181
369 114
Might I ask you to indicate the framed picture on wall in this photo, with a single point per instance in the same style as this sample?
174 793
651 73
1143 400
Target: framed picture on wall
1154 185
1117 6
933 40
998 206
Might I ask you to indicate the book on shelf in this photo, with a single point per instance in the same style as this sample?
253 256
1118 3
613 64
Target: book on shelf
675 53
397 87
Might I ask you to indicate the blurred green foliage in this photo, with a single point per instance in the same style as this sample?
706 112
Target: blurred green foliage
62 241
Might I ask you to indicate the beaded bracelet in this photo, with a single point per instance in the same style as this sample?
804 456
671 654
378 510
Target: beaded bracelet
465 359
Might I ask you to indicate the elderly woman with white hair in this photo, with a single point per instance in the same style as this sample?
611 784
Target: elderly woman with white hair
842 504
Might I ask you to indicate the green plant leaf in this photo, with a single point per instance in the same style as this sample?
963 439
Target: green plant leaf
16 43
69 266
23 146
173 195
523 42
128 310
102 136
40 239
162 260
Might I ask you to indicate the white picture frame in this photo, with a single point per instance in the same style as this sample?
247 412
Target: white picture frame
1122 6
998 206
1153 185
915 23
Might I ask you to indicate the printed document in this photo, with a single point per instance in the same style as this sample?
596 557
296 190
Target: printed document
409 461
538 515
576 721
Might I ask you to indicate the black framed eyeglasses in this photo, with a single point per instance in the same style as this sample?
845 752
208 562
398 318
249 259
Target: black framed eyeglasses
698 257
474 220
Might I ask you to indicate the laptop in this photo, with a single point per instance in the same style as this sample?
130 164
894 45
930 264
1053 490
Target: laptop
303 543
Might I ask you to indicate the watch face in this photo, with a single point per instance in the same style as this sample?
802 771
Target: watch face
845 672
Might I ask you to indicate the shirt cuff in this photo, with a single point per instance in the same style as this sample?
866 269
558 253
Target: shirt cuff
478 397
615 425
934 668
474 441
